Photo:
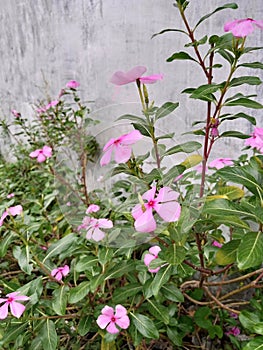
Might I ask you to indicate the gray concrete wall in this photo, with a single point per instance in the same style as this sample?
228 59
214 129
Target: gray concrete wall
45 43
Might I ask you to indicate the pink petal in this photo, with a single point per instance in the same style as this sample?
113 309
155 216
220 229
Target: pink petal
5 214
41 158
65 270
131 137
155 250
259 24
122 154
146 222
73 84
105 223
17 309
103 320
98 235
122 78
137 211
107 311
54 272
3 300
109 143
120 311
3 311
151 79
148 258
105 159
123 322
47 151
168 209
17 296
149 195
243 29
35 153
112 328
92 208
16 210
58 276
89 233
230 25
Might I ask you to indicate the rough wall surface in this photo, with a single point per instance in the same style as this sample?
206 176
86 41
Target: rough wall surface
45 43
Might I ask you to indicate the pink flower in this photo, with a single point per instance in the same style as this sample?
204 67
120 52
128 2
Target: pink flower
16 210
164 204
93 227
123 78
68 204
41 110
10 195
110 319
121 146
219 163
240 28
16 113
60 272
217 244
16 308
233 331
148 258
256 141
73 84
41 154
52 104
93 208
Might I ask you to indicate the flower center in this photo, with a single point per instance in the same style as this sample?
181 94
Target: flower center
10 299
151 203
113 319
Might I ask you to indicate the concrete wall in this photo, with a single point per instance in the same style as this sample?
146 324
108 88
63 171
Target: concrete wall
45 43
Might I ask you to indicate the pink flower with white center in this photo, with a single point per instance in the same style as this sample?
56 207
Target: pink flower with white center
52 104
121 147
219 163
93 227
233 331
92 208
165 204
152 255
13 211
217 244
256 141
16 113
73 84
60 272
10 195
41 154
16 308
109 319
123 78
240 28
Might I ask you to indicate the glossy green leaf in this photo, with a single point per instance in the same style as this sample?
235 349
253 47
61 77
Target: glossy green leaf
49 335
174 254
59 302
144 325
172 293
119 270
143 128
250 250
244 102
84 325
7 239
125 292
236 134
251 321
175 336
78 293
187 147
60 246
254 65
169 30
231 221
180 56
204 90
228 56
192 161
131 117
158 311
250 80
251 119
23 257
166 109
227 253
13 331
232 5
86 262
254 344
160 278
232 192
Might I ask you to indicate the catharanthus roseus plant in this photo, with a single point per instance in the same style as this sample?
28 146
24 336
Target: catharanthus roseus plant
163 256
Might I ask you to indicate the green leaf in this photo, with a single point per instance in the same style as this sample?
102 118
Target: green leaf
250 80
158 311
132 118
251 321
232 5
174 254
175 336
143 128
173 173
86 263
79 292
201 317
168 30
119 270
60 300
84 325
227 254
236 134
60 246
205 90
196 43
226 55
192 161
160 278
165 136
250 49
49 335
166 109
254 344
244 102
187 147
23 257
13 331
145 326
120 295
180 56
172 293
105 255
232 192
252 120
254 65
9 237
231 221
250 250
